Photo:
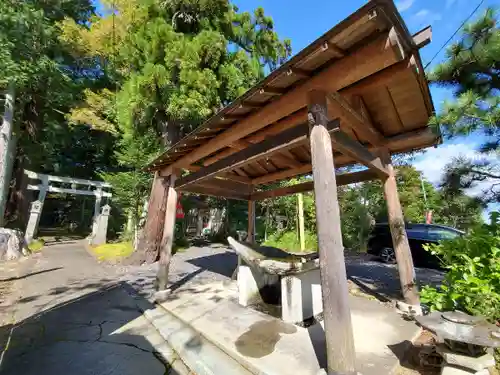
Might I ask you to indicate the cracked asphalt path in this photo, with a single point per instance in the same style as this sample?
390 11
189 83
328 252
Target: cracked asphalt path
67 314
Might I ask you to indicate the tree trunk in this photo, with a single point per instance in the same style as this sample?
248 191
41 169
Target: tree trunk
149 243
167 240
7 149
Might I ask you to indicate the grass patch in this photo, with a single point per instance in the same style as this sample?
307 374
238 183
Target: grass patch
289 241
112 251
36 245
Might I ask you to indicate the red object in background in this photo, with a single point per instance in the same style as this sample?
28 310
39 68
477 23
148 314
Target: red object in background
179 212
428 217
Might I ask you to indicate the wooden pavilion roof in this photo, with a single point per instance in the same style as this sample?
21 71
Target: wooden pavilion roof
369 66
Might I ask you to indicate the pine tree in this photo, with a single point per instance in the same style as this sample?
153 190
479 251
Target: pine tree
171 65
472 69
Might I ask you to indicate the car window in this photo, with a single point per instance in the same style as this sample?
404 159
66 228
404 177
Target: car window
439 234
417 233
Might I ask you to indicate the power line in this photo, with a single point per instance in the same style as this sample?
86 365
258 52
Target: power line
455 33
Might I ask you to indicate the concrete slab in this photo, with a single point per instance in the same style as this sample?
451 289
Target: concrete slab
269 346
201 356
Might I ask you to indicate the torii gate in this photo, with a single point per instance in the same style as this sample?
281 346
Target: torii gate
100 221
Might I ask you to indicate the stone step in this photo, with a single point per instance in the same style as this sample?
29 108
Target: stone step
200 355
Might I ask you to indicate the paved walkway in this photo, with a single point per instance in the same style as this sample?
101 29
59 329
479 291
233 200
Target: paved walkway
61 312
66 314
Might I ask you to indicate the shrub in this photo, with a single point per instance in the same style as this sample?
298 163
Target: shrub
289 241
472 280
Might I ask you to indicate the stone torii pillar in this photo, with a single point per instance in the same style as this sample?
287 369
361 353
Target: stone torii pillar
36 211
101 221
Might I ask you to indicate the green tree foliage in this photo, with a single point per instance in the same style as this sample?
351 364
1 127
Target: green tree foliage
170 65
362 205
472 281
472 69
48 81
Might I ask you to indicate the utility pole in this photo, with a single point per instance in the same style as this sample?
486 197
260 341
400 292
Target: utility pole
300 199
7 149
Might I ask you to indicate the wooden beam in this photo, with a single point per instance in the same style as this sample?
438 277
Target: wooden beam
281 175
400 242
394 41
346 145
298 72
342 179
355 119
419 135
359 65
423 37
234 177
226 185
272 91
287 139
341 354
276 128
339 52
288 161
213 192
241 172
251 105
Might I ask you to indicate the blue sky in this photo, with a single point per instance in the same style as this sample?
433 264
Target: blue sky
303 24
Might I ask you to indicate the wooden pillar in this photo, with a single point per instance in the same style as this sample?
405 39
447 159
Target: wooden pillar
150 239
337 314
251 222
400 242
168 235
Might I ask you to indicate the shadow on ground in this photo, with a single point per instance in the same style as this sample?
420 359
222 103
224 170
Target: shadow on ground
382 280
223 263
99 332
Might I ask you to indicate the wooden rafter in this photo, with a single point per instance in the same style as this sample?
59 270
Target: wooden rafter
234 177
298 72
214 192
393 141
348 146
342 73
359 123
339 52
287 139
272 91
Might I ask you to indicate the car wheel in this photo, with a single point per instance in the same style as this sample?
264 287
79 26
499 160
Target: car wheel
388 255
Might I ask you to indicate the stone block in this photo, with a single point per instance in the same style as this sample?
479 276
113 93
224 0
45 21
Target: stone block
472 363
301 297
451 370
251 282
12 244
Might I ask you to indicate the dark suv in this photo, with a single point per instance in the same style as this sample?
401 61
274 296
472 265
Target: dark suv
380 242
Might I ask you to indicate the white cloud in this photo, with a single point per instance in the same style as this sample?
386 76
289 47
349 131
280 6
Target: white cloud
425 16
405 4
433 161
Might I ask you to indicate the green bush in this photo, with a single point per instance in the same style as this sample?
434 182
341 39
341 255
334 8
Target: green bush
289 241
472 280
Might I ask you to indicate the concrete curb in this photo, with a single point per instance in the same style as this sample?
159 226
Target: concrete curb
198 353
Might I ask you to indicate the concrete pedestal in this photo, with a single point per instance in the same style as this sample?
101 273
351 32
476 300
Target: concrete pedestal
300 293
301 296
251 281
